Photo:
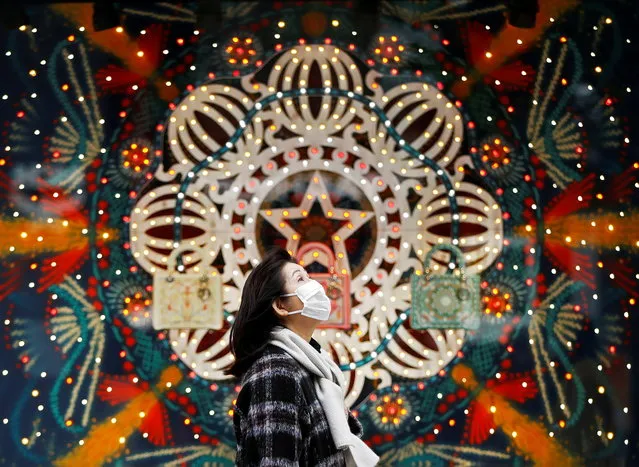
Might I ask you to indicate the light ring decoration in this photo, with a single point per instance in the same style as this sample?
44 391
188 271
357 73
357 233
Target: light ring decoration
230 150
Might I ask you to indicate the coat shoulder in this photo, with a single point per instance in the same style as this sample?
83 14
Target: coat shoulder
275 368
273 362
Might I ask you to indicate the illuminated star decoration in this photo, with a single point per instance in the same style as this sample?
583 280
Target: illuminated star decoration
353 219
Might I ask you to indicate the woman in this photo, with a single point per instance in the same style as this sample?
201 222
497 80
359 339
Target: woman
291 409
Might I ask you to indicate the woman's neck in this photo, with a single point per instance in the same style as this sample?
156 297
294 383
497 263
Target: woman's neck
303 331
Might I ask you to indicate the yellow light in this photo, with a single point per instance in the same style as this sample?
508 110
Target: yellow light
119 29
281 24
598 69
335 23
140 54
489 55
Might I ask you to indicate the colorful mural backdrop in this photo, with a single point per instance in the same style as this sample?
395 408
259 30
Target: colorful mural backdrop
149 166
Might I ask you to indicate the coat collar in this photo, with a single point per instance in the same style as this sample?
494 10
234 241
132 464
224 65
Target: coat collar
316 344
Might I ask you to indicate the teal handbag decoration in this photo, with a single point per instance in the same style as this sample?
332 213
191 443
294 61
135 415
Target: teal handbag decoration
445 301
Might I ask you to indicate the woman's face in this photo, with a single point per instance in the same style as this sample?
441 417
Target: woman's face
294 276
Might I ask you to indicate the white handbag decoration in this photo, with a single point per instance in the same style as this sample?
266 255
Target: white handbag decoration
187 300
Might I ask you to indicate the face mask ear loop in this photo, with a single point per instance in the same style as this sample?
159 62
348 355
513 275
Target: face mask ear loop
290 295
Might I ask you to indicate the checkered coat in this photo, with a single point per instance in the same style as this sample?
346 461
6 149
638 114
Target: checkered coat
278 419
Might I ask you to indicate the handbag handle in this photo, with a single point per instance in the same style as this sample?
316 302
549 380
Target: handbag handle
332 266
172 260
445 246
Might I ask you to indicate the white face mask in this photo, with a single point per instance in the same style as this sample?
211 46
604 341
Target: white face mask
316 304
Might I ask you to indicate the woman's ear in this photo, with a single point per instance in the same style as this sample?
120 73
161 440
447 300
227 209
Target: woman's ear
279 310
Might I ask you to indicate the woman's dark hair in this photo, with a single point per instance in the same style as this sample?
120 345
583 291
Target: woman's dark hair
255 319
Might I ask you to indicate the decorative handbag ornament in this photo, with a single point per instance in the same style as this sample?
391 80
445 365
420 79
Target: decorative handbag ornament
337 285
445 301
187 300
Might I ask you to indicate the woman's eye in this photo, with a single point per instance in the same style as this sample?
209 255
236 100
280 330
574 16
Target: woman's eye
300 279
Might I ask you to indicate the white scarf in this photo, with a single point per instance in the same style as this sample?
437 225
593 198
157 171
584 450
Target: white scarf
330 394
